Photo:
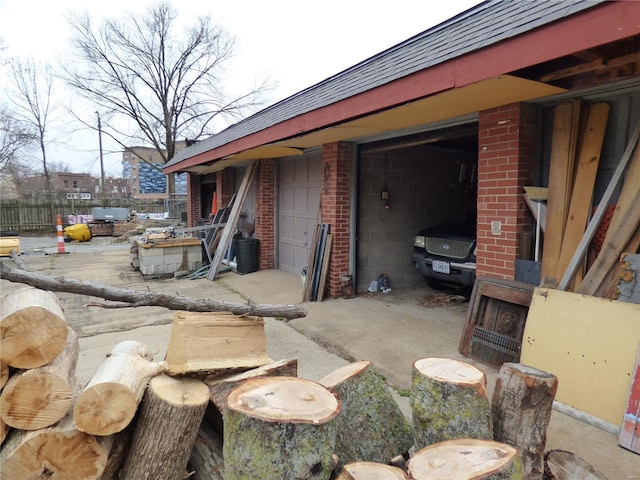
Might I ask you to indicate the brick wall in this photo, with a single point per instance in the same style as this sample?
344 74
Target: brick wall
336 209
505 165
193 199
264 222
224 186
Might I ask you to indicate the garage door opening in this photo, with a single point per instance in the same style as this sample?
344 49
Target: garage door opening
405 185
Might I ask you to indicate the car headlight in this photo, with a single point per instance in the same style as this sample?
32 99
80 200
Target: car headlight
419 241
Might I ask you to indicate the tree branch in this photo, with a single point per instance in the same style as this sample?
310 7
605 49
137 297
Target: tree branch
151 299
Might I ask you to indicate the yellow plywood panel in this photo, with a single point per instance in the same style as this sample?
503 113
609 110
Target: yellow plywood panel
589 343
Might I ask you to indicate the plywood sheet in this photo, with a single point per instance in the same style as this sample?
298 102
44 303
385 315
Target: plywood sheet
589 343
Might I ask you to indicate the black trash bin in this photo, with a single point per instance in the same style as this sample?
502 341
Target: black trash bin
246 254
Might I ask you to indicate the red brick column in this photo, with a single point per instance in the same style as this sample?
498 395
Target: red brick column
193 199
265 199
224 186
335 201
505 165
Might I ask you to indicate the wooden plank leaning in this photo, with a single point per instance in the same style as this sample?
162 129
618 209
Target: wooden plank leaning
599 213
227 233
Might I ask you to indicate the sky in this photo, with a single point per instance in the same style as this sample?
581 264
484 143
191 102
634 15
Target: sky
295 44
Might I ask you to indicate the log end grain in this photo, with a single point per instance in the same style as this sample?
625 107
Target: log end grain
104 409
34 401
68 455
183 391
451 371
563 465
287 399
465 459
32 337
4 374
370 471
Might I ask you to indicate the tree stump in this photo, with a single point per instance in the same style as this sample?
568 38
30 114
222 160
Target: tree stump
166 427
33 330
206 460
562 465
370 471
466 459
448 400
521 409
37 398
280 427
111 398
371 426
61 452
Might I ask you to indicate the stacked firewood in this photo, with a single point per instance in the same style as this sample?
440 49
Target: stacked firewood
217 408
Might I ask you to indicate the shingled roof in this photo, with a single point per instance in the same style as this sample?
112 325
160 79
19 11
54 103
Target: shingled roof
485 24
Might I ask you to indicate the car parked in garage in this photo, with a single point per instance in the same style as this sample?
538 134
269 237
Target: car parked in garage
445 254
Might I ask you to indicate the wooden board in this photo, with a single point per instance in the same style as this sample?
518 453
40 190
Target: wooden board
585 179
215 342
565 128
629 437
589 343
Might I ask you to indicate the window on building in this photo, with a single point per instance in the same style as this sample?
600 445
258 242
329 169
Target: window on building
75 184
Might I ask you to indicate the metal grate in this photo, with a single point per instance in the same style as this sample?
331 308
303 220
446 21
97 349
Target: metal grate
493 348
447 247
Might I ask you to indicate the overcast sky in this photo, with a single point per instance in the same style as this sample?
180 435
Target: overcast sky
296 44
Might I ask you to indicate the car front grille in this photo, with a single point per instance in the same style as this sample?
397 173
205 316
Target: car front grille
458 249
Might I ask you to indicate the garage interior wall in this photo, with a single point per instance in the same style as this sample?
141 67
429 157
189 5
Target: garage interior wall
424 189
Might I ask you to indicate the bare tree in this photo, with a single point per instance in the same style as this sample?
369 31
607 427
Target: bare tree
15 136
169 85
32 101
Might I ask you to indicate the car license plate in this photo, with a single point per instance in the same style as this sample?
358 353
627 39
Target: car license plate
441 267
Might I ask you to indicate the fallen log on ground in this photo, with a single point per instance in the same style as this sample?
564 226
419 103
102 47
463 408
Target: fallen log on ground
280 427
133 298
371 427
111 398
466 459
167 424
562 465
521 410
33 328
448 400
39 397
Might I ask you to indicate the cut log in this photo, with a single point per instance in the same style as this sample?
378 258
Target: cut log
61 452
562 465
206 460
37 398
134 298
32 328
4 374
206 343
280 427
370 471
166 428
371 426
521 409
448 400
117 454
220 386
111 398
466 459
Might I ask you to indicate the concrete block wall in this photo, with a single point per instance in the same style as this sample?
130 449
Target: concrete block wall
167 260
507 148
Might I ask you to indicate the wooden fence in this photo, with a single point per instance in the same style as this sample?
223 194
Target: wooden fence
21 216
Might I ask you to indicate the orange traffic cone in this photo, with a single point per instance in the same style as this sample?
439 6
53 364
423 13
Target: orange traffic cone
214 205
60 234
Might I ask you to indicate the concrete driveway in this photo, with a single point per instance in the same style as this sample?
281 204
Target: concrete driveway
392 330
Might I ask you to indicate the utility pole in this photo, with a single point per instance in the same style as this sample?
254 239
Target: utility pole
101 160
